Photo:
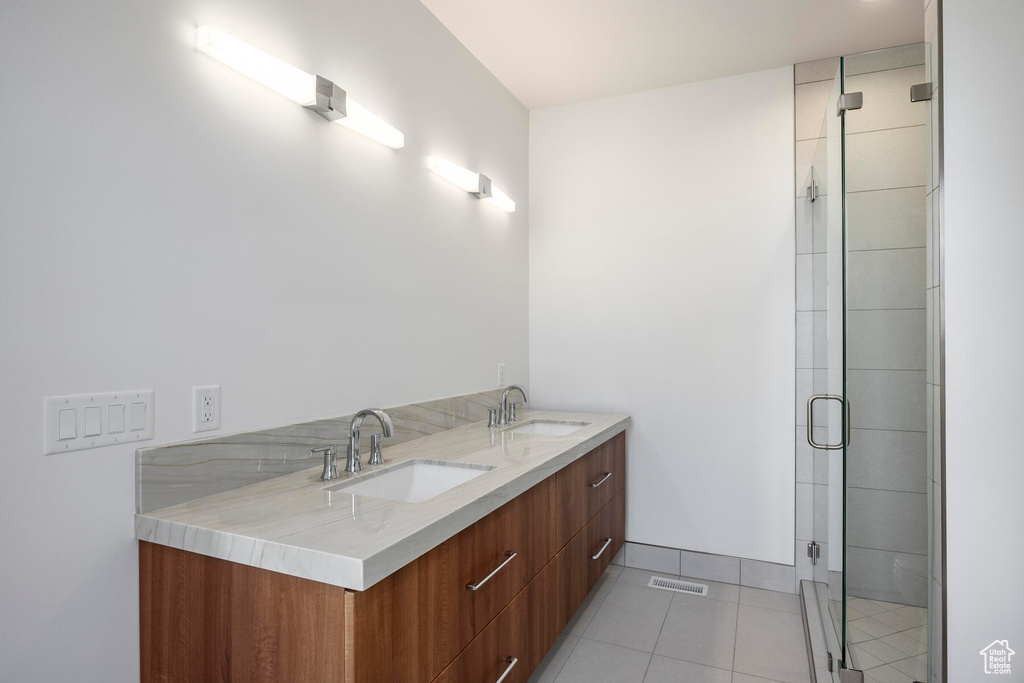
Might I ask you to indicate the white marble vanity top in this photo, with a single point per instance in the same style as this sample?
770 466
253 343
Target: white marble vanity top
291 524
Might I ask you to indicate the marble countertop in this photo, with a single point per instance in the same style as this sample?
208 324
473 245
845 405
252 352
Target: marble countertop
293 525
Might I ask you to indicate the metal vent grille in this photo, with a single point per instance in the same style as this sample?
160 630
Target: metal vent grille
677 586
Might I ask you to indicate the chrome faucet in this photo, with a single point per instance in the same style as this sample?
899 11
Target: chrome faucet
354 462
508 416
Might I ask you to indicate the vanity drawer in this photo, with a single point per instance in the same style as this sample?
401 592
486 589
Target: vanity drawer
588 484
578 568
523 527
606 534
419 618
515 642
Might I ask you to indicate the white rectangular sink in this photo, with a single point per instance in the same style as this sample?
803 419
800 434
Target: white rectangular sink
413 481
548 428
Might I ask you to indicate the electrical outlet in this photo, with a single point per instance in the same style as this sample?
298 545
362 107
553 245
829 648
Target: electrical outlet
205 408
501 374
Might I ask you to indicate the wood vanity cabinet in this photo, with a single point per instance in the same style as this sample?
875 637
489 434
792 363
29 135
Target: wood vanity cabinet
413 623
207 619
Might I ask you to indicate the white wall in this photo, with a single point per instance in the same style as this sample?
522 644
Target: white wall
165 222
662 285
984 243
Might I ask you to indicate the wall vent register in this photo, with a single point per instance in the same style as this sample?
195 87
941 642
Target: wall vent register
678 586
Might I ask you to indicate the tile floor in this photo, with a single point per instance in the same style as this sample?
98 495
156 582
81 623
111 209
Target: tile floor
626 632
888 641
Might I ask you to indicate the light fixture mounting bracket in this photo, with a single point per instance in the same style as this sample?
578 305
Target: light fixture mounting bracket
330 100
484 190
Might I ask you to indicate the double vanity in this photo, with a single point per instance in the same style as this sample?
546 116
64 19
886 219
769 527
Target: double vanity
460 559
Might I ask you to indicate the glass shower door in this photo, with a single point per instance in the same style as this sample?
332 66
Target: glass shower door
827 408
884 230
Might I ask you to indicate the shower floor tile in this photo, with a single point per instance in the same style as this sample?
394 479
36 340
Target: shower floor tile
698 639
897 657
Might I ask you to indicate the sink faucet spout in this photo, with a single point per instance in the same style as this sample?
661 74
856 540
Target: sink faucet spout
354 461
506 417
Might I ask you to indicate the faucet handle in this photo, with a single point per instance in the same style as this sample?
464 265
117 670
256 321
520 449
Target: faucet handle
512 413
330 461
492 418
376 456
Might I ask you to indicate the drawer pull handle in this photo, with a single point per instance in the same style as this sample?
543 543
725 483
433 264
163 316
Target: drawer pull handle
473 586
512 661
606 477
607 542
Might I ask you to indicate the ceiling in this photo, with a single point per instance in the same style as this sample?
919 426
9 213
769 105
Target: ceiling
553 52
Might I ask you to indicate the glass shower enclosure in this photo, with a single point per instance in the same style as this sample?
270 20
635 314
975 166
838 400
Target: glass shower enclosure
866 198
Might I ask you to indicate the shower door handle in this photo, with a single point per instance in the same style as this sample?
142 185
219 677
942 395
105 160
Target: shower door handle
845 441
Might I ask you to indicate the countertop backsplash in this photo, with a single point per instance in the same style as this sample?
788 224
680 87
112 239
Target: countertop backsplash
177 473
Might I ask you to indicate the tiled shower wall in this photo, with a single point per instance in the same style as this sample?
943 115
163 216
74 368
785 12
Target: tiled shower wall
886 354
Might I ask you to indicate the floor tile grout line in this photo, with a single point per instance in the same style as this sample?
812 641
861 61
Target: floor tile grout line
568 654
605 642
649 660
895 661
660 631
675 659
736 629
598 607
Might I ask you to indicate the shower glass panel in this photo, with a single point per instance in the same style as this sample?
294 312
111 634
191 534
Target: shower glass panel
867 201
824 203
886 549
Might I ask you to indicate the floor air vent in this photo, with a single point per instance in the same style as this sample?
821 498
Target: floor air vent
678 586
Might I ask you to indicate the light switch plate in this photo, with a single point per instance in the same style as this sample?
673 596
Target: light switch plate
96 420
205 408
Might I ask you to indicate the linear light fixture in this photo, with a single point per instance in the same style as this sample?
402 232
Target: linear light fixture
312 91
475 183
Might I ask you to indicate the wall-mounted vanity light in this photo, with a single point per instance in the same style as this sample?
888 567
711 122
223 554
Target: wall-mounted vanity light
311 91
475 183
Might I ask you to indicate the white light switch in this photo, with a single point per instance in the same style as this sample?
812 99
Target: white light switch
138 422
115 418
68 424
93 421
74 423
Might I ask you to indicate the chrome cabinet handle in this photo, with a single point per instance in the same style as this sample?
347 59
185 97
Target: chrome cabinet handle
605 478
512 661
509 556
607 542
810 422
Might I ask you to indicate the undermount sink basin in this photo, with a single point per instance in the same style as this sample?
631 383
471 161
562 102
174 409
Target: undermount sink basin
548 428
413 481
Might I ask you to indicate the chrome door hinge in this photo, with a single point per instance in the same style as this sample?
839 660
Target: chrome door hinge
922 92
848 102
814 552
